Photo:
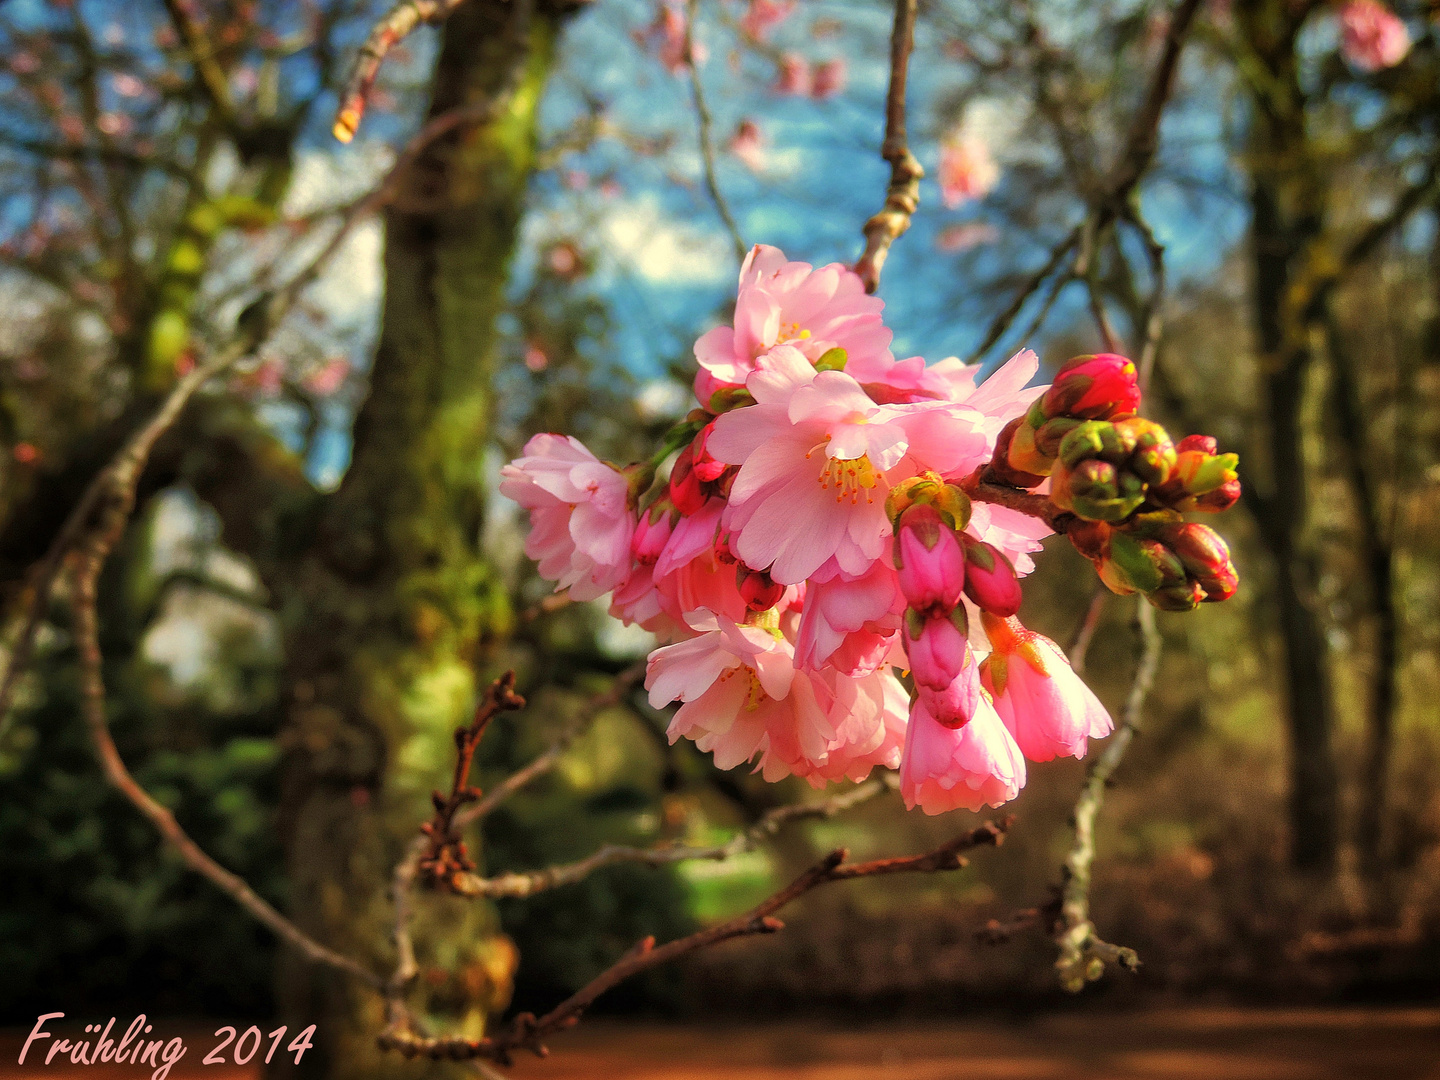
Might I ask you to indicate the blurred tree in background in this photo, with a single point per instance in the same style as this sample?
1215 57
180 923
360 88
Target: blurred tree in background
318 575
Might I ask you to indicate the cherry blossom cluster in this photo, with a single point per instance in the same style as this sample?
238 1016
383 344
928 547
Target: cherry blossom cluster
833 563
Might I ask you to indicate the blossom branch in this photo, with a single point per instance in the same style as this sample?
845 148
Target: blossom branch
902 197
527 1032
707 142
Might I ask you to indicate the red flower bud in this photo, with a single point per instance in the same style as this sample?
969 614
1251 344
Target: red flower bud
757 589
1206 559
706 467
1099 387
990 580
1205 444
685 493
1000 467
929 561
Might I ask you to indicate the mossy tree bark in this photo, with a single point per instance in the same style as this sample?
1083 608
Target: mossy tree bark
1287 200
389 607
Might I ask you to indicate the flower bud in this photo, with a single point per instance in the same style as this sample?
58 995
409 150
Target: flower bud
930 489
937 646
1096 490
1089 538
1000 467
1096 439
1099 387
1130 564
685 493
1201 480
1049 435
955 704
929 561
706 467
1206 559
759 591
652 531
1022 455
990 579
1219 500
1153 458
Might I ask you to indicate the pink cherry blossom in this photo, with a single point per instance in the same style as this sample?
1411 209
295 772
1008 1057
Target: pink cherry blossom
581 520
967 170
962 768
868 714
1372 37
762 16
813 453
748 144
849 622
791 303
742 698
829 78
966 235
1044 704
795 76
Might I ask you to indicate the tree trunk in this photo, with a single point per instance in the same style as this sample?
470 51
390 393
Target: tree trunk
1287 204
392 602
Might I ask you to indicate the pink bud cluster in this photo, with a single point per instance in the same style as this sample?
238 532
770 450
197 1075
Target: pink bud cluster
829 596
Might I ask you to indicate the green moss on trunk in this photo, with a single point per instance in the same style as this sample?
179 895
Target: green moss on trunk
394 599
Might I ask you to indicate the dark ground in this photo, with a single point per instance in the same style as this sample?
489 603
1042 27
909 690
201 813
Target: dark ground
1178 1044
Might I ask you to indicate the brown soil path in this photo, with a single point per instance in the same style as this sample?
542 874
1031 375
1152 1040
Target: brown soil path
1183 1044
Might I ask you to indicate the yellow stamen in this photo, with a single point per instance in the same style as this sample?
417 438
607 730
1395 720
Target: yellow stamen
850 478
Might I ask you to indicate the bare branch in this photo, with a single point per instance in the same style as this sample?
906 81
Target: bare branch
384 36
707 145
902 197
208 72
444 860
1004 320
1083 954
528 884
528 1033
113 503
1085 631
616 692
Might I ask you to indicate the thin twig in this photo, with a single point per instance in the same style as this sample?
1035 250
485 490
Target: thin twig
902 197
1085 631
444 860
613 695
99 541
536 881
1083 954
707 143
1004 320
397 24
407 870
528 1033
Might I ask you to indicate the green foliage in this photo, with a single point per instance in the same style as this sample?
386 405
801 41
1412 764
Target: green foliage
98 915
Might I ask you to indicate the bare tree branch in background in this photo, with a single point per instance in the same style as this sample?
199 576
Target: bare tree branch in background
902 197
526 1032
707 143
